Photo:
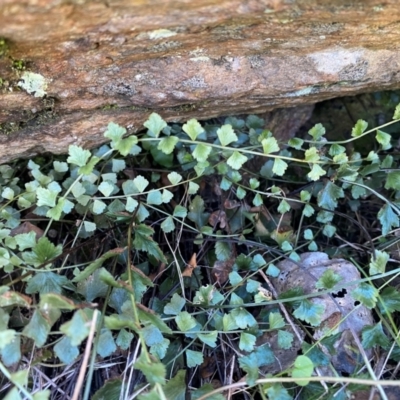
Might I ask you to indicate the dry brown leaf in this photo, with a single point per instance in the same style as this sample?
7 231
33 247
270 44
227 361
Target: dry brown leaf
27 227
231 204
221 270
207 368
155 275
192 264
218 217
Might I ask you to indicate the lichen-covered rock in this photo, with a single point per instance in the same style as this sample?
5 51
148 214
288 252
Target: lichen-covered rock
121 60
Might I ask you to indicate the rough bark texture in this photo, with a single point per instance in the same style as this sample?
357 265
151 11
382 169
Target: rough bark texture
121 60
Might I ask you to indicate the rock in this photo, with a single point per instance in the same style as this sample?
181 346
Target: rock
341 311
119 61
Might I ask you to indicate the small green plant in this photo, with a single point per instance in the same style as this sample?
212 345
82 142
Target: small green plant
162 246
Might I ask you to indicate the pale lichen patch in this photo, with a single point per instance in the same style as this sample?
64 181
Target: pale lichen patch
33 83
161 33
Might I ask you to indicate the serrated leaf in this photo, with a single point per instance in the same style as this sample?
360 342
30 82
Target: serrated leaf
7 193
124 339
228 323
175 305
247 341
329 230
303 368
311 155
235 278
309 312
152 335
243 318
296 143
11 353
316 355
6 337
359 128
88 168
111 390
328 280
223 250
106 188
154 371
98 207
366 294
196 212
114 132
383 139
317 131
226 135
285 339
154 197
201 152
42 252
236 160
185 321
140 183
279 167
240 193
65 351
283 207
192 128
389 300
77 329
258 200
118 165
176 388
374 336
393 180
40 324
193 188
46 197
388 219
168 225
131 204
278 392
174 178
378 265
155 124
26 240
250 365
336 149
316 172
167 144
396 114
166 196
77 155
193 358
78 189
92 287
144 242
106 344
180 212
275 320
209 338
273 271
308 210
270 145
